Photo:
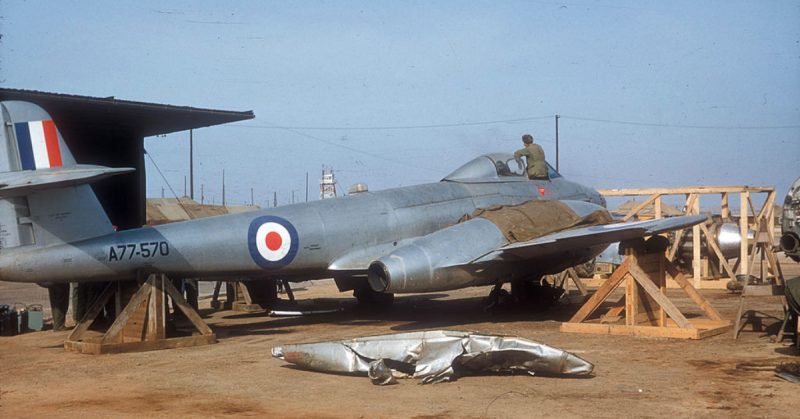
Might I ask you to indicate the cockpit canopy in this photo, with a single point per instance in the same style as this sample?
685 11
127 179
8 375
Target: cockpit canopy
494 167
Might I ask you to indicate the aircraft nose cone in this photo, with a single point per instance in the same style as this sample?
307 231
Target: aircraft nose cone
574 365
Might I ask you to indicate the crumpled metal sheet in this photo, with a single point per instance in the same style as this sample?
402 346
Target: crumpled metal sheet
433 356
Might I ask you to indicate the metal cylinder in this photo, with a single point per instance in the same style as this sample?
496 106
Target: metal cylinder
727 236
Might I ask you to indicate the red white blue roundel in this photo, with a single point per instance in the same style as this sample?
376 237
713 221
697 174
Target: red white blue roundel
272 241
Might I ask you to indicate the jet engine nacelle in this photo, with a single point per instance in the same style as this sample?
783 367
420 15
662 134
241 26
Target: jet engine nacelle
436 262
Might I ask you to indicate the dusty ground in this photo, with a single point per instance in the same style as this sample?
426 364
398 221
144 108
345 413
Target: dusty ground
634 377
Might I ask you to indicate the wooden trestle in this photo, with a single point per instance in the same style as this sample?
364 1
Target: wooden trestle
141 325
647 310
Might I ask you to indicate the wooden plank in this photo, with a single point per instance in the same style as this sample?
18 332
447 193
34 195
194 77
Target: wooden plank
692 292
725 211
114 331
662 300
744 268
110 348
91 314
635 210
136 326
578 283
602 293
631 301
156 310
767 208
662 287
686 190
657 208
697 268
770 216
620 330
617 309
712 242
775 267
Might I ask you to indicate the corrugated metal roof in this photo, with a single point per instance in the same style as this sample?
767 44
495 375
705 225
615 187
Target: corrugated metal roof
116 117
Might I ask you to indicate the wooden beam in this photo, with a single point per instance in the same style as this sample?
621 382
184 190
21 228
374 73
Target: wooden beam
602 293
570 273
635 210
644 280
712 243
692 292
725 211
657 208
190 313
744 267
684 190
697 261
631 301
114 331
91 314
156 320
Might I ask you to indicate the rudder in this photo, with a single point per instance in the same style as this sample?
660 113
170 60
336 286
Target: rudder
44 198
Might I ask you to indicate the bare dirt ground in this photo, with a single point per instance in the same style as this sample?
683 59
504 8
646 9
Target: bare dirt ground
634 376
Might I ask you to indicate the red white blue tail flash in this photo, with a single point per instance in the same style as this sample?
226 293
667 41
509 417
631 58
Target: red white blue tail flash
272 241
37 142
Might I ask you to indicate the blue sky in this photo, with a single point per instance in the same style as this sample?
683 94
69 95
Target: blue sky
652 93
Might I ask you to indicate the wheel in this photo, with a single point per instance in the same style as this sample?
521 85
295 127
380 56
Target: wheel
537 294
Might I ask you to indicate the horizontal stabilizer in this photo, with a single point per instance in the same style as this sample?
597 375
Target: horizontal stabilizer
24 182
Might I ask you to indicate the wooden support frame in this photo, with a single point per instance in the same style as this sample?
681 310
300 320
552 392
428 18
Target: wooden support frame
751 218
647 309
141 324
564 278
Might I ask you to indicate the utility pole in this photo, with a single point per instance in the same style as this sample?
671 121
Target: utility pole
293 196
306 186
202 194
275 199
557 116
223 187
191 165
251 197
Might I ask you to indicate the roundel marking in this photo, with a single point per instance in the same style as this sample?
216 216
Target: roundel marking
272 241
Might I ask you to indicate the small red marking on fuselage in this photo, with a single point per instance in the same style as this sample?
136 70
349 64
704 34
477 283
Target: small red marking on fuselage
274 241
542 190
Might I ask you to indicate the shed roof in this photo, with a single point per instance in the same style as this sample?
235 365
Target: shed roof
111 117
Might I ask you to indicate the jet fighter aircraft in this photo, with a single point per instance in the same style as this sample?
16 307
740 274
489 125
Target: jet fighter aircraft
405 240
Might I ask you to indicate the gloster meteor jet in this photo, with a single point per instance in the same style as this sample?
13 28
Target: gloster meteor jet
404 240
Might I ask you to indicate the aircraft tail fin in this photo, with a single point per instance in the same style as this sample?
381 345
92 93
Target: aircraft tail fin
45 198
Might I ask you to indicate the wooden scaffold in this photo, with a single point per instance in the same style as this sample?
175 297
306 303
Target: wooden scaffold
751 218
645 307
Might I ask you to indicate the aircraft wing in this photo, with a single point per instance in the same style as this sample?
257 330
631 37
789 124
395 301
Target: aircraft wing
590 236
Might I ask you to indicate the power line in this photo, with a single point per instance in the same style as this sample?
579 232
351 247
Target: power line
356 150
164 178
653 124
394 127
515 120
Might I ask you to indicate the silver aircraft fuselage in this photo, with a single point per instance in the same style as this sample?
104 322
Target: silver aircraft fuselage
328 238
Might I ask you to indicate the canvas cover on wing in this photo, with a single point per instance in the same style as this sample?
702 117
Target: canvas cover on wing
533 219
